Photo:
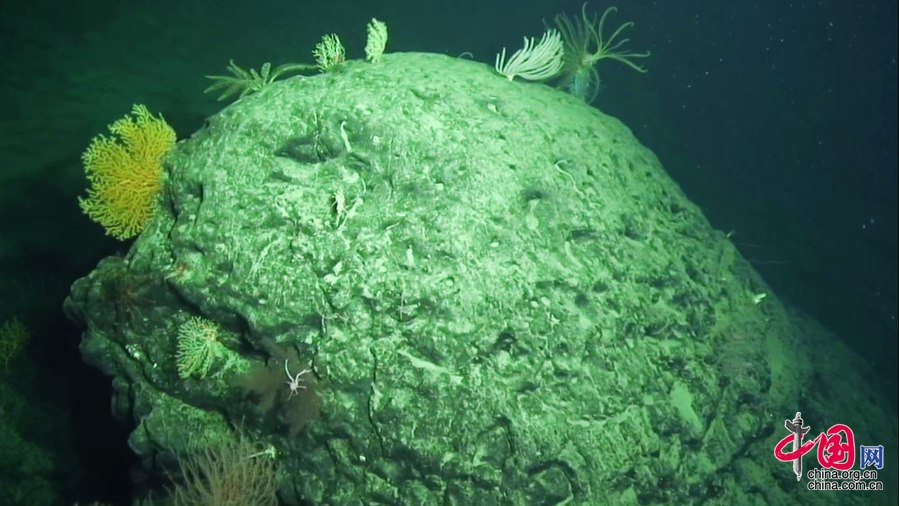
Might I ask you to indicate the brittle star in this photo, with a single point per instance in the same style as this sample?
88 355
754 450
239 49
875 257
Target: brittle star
294 383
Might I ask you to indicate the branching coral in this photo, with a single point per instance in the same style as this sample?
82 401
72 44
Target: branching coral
125 172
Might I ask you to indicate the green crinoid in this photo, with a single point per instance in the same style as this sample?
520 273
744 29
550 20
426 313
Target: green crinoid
586 45
244 82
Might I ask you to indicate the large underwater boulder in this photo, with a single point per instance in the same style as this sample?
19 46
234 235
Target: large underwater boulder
500 294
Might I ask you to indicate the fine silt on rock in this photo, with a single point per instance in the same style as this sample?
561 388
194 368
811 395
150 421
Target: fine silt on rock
498 293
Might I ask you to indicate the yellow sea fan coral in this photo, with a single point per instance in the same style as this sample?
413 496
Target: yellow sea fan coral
198 347
125 172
